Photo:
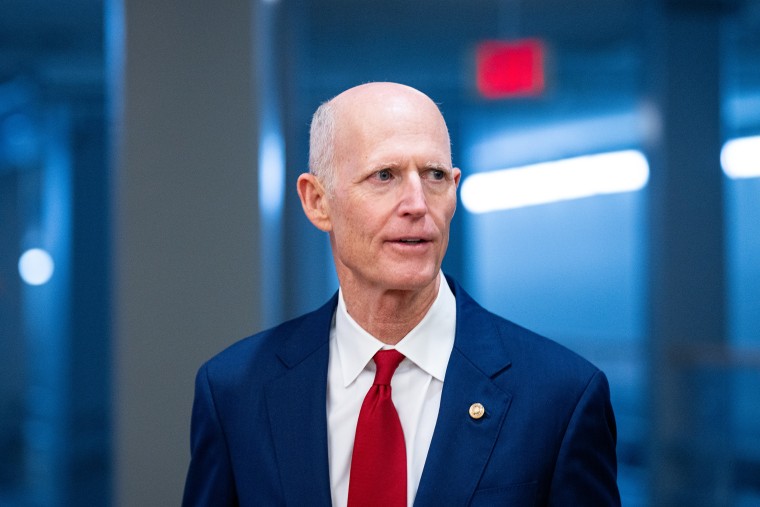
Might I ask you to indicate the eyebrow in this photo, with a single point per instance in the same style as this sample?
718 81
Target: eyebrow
395 165
437 165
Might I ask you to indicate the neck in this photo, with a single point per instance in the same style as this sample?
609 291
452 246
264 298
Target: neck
389 315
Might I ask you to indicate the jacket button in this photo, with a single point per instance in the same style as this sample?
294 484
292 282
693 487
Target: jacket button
477 410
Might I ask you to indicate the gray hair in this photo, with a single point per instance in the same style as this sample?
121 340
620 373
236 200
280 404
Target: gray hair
322 145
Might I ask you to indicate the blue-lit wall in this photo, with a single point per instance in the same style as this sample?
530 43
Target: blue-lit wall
55 438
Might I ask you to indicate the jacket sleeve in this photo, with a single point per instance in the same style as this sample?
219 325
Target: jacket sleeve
209 478
586 470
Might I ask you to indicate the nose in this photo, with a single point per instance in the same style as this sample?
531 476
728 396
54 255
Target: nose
413 200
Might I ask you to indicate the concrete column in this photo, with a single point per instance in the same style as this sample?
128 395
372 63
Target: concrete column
687 308
186 276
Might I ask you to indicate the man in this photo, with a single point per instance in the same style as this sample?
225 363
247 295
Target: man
478 410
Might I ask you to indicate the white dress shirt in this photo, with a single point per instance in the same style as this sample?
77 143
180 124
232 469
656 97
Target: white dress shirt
415 388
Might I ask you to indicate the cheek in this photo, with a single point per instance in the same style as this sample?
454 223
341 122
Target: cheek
447 209
351 231
363 217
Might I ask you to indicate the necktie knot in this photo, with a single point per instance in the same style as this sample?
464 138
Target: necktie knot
387 361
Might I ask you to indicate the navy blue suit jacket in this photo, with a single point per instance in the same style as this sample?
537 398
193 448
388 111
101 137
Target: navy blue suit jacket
259 429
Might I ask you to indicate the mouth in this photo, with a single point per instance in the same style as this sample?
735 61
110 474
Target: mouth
411 242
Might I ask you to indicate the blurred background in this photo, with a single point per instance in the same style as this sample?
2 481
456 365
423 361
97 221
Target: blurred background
148 217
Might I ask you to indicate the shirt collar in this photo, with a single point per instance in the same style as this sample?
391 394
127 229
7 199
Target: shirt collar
428 345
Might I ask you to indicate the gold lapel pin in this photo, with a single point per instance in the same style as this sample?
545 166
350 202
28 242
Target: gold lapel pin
477 410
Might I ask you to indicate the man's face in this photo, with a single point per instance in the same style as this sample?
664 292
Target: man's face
394 195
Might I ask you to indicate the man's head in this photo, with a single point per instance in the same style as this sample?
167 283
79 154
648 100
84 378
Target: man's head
382 185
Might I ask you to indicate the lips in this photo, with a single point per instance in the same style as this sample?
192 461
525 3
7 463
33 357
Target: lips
411 244
411 240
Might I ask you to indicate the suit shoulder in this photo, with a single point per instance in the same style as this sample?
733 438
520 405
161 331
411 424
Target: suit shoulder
545 369
514 343
259 356
537 348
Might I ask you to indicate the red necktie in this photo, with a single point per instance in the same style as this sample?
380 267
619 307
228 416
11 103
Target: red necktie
378 464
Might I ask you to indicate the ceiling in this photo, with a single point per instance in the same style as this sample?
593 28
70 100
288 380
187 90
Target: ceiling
62 42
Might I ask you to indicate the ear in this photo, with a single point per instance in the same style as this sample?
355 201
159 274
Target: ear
457 176
314 201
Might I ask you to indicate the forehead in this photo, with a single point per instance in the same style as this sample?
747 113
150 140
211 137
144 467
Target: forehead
405 125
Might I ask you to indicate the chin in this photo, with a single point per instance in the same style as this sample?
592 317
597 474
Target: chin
413 280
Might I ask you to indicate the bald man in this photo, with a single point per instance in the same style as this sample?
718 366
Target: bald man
400 390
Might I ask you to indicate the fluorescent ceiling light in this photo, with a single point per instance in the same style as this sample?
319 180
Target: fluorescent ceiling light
740 158
561 180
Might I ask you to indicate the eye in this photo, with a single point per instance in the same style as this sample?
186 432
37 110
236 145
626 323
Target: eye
437 174
383 175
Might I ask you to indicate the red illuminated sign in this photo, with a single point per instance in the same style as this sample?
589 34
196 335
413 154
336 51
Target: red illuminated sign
510 68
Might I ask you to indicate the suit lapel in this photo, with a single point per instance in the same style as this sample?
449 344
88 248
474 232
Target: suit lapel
297 413
461 444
